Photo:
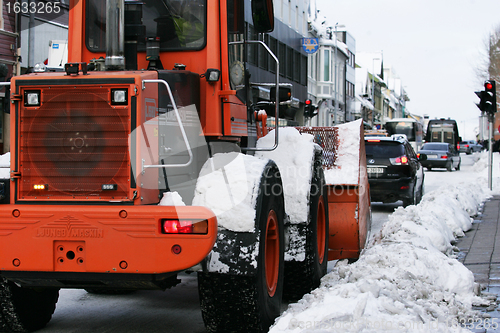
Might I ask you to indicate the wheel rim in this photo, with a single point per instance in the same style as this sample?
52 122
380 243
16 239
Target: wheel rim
320 232
272 245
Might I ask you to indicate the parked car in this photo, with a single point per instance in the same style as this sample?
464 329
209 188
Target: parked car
394 170
469 147
440 155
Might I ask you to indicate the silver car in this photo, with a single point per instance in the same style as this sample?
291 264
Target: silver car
440 155
469 147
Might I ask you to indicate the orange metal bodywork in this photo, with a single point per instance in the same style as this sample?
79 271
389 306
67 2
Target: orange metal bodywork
350 214
99 239
95 234
349 206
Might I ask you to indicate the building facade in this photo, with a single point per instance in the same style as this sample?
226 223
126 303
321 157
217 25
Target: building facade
290 27
331 75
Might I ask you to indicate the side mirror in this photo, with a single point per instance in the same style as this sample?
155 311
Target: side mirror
263 15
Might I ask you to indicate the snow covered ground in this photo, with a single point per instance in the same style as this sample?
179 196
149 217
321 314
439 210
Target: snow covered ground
408 278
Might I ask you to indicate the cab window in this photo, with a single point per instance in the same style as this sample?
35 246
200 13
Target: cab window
180 24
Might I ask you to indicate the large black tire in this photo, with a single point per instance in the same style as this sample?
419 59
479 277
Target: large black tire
25 309
301 277
234 303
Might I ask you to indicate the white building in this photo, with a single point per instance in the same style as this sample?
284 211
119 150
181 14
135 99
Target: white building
331 74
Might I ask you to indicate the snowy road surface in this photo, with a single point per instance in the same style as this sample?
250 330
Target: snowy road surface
177 309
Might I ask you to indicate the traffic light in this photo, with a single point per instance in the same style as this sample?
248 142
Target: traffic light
490 96
309 109
480 94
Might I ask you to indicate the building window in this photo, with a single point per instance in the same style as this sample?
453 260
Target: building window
311 64
289 63
273 45
350 60
282 58
1 14
326 65
296 68
253 55
303 70
263 55
297 25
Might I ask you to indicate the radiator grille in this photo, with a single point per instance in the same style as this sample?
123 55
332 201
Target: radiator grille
74 143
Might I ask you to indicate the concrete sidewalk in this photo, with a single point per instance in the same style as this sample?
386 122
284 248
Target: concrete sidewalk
480 253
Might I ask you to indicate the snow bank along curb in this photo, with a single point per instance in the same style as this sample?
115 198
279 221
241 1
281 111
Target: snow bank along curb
407 280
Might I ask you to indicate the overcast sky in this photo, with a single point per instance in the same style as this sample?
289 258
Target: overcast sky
434 46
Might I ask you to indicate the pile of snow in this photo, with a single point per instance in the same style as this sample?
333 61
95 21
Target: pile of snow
346 169
171 199
407 280
294 157
229 185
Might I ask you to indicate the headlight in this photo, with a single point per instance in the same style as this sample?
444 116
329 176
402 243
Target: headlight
119 96
212 75
32 98
40 67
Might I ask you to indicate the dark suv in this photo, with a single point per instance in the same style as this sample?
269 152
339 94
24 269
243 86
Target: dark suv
394 171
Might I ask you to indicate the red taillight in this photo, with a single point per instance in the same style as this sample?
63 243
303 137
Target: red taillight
400 160
466 146
184 227
444 156
404 187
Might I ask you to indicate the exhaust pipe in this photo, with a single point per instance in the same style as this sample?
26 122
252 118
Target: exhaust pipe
115 31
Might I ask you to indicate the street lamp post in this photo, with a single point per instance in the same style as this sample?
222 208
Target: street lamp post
373 89
335 77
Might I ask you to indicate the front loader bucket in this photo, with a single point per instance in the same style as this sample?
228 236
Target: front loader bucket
344 162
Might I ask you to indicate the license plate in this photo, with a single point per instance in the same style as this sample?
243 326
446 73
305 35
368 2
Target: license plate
375 170
432 156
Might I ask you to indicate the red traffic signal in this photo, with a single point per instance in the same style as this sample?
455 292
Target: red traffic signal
490 96
309 109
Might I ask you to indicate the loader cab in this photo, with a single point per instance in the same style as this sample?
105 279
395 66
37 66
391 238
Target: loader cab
197 36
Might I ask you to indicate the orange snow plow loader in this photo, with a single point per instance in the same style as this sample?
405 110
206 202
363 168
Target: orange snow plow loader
141 160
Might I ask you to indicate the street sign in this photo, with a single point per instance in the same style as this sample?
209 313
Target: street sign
310 45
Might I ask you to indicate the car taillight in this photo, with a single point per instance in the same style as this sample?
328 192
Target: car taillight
444 156
401 160
184 227
466 146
